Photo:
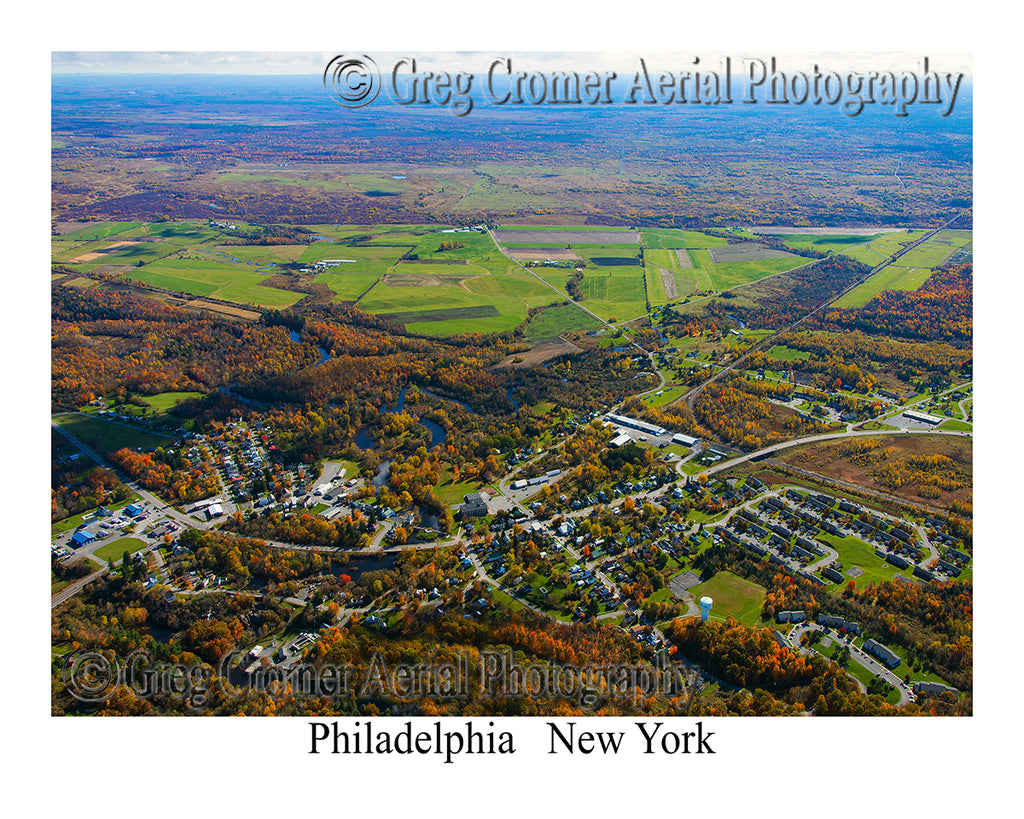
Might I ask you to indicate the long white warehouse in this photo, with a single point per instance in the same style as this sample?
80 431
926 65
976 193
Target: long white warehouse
633 423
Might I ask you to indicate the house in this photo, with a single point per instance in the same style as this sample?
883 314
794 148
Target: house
832 621
897 561
833 575
790 616
933 688
801 552
888 657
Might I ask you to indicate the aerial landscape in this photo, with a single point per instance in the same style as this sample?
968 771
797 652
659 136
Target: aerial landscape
540 410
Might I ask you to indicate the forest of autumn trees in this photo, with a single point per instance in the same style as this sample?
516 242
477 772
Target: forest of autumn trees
940 310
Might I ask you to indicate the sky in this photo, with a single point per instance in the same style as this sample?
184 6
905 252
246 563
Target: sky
306 62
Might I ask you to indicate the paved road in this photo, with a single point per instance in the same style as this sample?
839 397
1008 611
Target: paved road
828 436
856 655
72 589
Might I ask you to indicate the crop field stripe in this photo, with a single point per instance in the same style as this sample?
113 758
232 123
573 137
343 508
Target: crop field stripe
702 264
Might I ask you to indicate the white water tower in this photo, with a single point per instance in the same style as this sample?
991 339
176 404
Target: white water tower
705 608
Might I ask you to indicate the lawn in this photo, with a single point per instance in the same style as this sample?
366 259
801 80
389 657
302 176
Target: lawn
451 493
667 395
114 550
506 600
734 597
859 672
73 522
855 552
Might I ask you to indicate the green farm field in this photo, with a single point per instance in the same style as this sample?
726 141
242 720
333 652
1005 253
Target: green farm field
347 286
376 259
671 238
685 281
107 436
562 318
448 299
166 400
826 243
878 250
720 277
614 292
100 230
231 282
911 270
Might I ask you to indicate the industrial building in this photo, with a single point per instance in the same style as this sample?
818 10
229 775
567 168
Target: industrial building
923 417
632 423
620 440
